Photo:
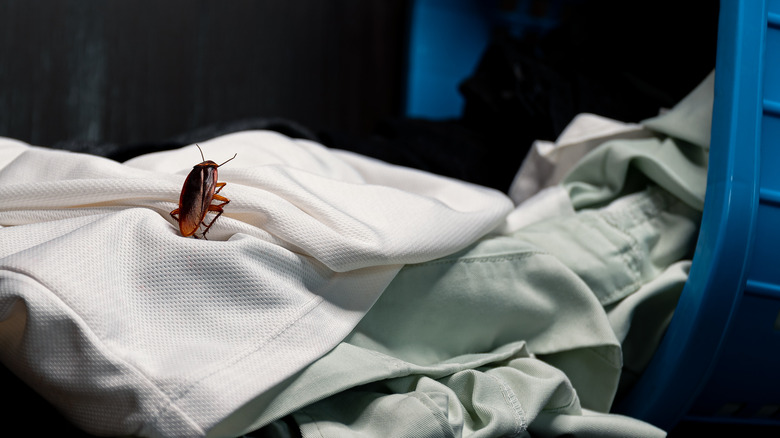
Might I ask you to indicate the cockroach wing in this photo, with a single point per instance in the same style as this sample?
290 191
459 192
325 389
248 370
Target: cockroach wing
196 196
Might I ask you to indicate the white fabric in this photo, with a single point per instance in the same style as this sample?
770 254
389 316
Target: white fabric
547 163
548 203
129 328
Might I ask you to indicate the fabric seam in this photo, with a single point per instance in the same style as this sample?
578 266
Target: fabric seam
165 398
521 419
235 360
480 259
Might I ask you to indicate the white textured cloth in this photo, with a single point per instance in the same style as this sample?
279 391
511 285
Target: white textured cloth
547 163
130 329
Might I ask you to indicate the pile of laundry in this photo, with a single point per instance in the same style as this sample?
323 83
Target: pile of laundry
340 295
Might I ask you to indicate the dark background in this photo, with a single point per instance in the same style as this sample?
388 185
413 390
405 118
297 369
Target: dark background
144 70
120 78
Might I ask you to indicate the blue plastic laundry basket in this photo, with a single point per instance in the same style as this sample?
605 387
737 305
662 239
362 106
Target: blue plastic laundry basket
720 357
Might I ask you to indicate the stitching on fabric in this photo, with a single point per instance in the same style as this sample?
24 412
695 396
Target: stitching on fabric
521 419
441 419
111 356
399 365
479 259
638 211
236 359
643 208
630 256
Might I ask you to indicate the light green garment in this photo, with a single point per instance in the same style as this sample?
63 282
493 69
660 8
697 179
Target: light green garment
676 160
489 340
540 285
529 333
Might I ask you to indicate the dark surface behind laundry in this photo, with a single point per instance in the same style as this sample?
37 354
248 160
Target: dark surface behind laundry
618 59
126 72
123 78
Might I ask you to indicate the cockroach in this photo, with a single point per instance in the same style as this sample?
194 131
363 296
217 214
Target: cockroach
199 190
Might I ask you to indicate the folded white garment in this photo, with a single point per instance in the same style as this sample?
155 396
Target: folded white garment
547 163
130 329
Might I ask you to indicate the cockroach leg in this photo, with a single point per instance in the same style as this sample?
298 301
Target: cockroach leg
218 209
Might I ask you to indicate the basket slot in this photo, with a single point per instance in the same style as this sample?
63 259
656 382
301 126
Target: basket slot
771 107
769 196
773 20
762 289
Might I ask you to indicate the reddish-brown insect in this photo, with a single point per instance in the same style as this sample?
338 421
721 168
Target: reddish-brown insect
200 188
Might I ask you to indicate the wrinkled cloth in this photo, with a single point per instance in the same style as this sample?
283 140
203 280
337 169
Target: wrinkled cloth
491 339
547 163
130 329
687 124
478 325
538 327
